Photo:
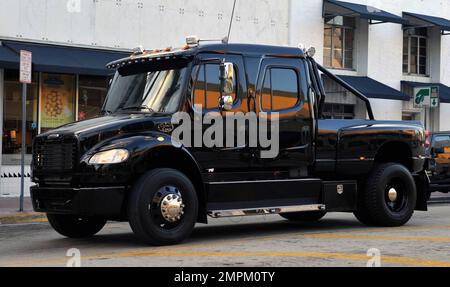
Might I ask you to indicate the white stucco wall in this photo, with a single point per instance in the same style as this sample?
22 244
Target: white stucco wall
306 25
151 23
445 58
386 109
444 117
1 120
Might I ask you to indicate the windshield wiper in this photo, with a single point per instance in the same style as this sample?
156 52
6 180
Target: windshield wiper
138 108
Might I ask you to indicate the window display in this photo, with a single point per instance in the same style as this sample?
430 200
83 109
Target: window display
51 102
57 100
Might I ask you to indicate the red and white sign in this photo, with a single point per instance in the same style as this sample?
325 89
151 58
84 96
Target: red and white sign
25 67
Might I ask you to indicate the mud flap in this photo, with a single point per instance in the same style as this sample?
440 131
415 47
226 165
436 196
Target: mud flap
423 188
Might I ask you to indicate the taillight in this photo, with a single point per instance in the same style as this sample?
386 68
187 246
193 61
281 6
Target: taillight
427 142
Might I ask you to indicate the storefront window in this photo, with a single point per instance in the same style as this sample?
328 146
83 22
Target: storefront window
57 100
415 54
91 95
12 117
51 102
339 41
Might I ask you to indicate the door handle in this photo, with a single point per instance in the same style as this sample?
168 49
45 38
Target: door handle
252 98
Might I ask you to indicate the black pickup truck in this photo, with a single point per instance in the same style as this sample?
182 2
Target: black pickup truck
125 165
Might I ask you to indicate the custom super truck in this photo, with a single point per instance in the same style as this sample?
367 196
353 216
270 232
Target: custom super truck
126 165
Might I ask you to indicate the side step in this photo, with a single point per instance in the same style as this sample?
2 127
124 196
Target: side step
265 210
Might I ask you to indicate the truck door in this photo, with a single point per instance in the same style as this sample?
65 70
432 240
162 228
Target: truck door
205 92
282 89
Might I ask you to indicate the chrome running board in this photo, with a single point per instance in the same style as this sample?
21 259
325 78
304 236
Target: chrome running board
264 210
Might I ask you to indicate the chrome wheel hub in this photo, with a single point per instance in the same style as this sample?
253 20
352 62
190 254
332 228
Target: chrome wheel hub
172 207
392 194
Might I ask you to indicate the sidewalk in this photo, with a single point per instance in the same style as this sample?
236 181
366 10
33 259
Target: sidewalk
9 211
439 197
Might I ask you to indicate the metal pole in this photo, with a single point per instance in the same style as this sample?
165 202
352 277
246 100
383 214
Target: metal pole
425 122
24 135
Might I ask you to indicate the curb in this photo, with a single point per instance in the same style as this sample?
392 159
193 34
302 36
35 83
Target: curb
439 200
15 218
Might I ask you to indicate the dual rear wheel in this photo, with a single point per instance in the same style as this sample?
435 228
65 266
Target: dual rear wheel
388 197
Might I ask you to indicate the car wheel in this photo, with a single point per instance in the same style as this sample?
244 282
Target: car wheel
74 226
389 197
163 207
304 216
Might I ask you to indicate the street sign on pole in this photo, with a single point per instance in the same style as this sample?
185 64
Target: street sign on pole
434 97
422 97
25 67
25 78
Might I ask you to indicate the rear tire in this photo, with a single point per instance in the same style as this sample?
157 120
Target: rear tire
163 207
308 216
74 226
389 197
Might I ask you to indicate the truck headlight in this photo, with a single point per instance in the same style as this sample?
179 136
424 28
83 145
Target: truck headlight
109 156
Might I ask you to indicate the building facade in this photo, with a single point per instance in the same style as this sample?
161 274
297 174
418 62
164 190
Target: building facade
384 48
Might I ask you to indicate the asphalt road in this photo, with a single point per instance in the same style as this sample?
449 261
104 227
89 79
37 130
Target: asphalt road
337 240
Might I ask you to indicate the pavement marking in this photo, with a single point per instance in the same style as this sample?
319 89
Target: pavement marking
22 218
399 260
321 255
219 243
377 237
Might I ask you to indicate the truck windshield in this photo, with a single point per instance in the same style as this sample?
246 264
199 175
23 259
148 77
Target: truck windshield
154 91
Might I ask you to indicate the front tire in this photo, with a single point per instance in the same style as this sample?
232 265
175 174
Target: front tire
74 226
309 216
163 207
389 197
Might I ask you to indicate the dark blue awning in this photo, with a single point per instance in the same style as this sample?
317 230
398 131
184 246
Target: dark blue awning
334 7
8 58
444 91
374 89
427 21
70 60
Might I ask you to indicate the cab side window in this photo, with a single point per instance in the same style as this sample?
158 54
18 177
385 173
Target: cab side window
441 144
206 90
280 89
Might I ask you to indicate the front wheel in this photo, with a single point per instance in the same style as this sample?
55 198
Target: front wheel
74 226
389 197
163 207
304 216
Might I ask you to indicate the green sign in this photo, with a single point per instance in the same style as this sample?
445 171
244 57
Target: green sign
434 97
422 96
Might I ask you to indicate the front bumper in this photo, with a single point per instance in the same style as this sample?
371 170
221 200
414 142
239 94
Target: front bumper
98 201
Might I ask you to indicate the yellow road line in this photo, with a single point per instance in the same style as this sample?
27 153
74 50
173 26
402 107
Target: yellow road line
23 218
219 243
397 260
377 237
297 235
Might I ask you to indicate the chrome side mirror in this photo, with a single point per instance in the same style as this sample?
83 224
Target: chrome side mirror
226 85
226 102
